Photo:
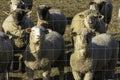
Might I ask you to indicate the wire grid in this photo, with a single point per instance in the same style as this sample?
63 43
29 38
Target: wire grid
67 60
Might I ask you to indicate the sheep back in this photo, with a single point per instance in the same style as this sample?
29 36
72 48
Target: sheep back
57 20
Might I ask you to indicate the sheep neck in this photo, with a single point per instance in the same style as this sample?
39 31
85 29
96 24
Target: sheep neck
39 22
81 48
36 49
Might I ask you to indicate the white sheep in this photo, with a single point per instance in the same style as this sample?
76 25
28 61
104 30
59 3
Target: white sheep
6 52
89 19
56 19
44 49
105 7
14 25
93 55
14 4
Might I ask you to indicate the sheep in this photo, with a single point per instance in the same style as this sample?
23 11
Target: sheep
105 7
23 4
14 4
90 19
44 48
14 25
93 55
6 52
57 21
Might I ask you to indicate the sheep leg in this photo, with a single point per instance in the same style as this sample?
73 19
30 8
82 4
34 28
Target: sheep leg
88 76
46 75
61 70
11 65
110 72
20 62
76 75
112 64
2 76
106 26
7 75
30 74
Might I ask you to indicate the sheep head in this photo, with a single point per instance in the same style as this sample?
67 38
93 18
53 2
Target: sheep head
17 4
91 20
37 34
42 11
94 6
18 15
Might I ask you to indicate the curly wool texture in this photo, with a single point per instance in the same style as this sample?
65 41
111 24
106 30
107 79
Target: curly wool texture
101 52
17 31
82 19
78 22
46 52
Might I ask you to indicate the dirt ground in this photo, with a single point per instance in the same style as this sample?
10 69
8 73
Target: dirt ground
70 8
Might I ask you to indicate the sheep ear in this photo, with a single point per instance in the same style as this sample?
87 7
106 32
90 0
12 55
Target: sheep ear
48 7
7 37
28 30
73 33
100 16
91 3
81 16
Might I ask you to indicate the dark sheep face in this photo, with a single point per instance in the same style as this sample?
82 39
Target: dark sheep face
18 16
42 11
21 5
